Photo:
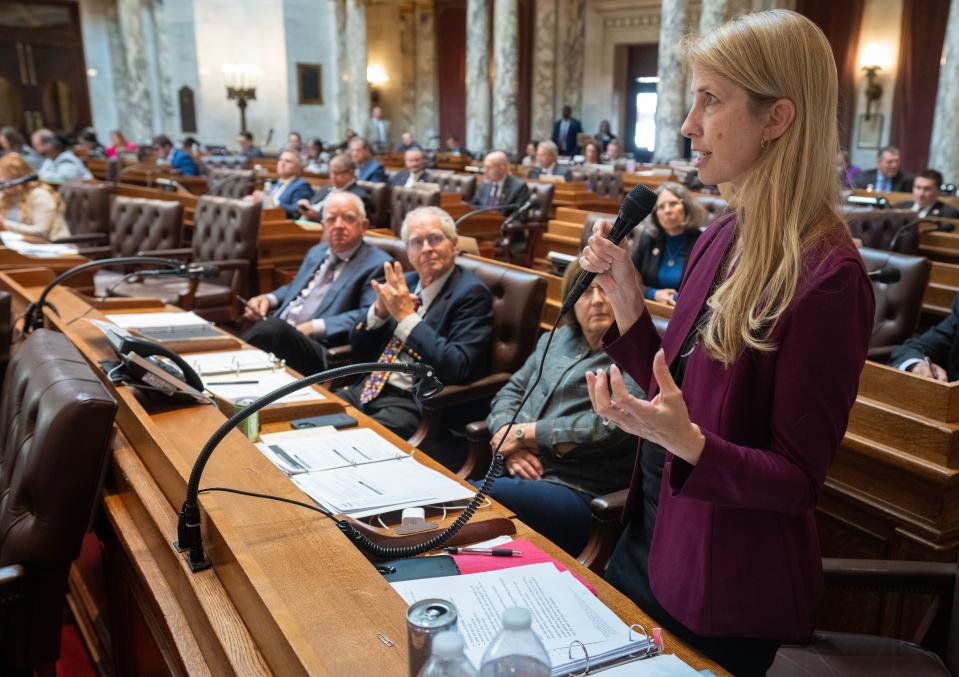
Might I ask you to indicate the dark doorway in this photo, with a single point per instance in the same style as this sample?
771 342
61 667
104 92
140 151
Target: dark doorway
640 101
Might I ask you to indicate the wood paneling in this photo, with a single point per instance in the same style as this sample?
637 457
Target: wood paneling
451 67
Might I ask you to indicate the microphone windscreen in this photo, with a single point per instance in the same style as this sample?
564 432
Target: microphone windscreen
639 202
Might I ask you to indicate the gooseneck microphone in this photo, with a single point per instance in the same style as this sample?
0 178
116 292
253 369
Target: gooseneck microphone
193 271
26 178
639 204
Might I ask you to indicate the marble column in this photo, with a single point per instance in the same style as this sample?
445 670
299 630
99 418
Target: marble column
132 76
405 118
670 92
571 56
505 75
359 90
427 88
169 114
544 70
477 75
943 150
738 8
341 73
712 14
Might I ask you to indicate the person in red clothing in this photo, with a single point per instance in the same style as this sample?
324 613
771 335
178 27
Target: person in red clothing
749 389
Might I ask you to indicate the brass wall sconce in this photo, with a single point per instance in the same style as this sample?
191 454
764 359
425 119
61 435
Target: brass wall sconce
873 88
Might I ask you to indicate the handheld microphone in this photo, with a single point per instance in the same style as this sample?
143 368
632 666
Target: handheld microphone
639 204
194 271
886 275
26 178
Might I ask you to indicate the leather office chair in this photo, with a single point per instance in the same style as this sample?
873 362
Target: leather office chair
232 183
518 299
713 205
87 213
899 304
450 182
405 200
225 235
137 224
606 184
519 247
208 163
380 197
876 228
50 479
6 331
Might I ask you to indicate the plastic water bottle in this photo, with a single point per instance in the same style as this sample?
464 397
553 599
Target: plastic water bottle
516 651
448 659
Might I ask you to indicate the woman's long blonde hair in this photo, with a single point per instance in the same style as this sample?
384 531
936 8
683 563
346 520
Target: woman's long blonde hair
13 166
790 197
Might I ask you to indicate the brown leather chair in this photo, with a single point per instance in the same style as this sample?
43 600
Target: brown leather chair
393 246
225 235
137 224
380 197
713 205
405 200
6 331
518 299
877 228
899 304
87 213
50 479
208 163
519 247
232 183
606 184
450 182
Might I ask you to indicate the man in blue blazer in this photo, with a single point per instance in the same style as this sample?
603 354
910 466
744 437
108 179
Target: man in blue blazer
565 132
440 314
179 160
289 187
368 168
328 296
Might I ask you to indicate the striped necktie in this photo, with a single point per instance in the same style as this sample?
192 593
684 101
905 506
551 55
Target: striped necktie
374 383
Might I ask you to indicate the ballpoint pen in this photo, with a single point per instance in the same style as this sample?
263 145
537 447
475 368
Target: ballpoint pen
246 302
495 552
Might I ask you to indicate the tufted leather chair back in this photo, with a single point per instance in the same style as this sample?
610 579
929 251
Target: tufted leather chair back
138 224
392 246
6 331
450 182
877 228
380 197
544 204
227 230
606 184
713 205
518 299
899 304
113 169
56 421
87 207
405 200
208 163
233 183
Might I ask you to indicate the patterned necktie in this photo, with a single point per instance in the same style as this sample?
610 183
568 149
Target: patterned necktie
374 383
493 197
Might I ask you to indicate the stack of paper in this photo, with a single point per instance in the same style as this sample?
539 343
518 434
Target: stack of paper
163 320
233 386
230 361
45 250
563 612
359 473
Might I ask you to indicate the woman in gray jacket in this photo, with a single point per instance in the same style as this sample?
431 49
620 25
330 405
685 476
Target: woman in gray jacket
560 454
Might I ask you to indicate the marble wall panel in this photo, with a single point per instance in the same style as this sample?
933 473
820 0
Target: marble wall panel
544 69
427 100
943 149
506 74
671 90
478 101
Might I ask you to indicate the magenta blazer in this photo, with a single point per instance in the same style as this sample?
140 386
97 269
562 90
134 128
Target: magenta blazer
735 551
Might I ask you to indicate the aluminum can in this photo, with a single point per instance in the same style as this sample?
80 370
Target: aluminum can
250 426
424 620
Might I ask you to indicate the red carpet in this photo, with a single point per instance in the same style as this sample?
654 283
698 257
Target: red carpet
74 661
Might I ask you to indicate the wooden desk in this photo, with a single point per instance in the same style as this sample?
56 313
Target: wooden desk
287 594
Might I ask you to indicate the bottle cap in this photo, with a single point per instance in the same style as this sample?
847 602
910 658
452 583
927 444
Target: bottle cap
447 644
517 618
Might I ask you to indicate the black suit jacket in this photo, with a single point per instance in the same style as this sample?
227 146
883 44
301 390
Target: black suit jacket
400 177
515 191
349 297
901 183
323 192
568 145
938 209
648 254
939 344
453 337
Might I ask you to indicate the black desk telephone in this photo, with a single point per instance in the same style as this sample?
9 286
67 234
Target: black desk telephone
153 367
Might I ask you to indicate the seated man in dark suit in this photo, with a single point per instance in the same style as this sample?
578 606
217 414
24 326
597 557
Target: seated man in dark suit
565 132
499 187
925 197
441 315
407 142
413 172
935 354
887 177
342 179
289 187
179 160
330 293
247 147
368 168
546 155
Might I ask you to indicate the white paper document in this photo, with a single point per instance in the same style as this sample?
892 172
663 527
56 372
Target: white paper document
44 250
233 387
171 320
230 361
563 611
666 665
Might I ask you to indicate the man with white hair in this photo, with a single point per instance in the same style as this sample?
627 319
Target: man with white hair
413 172
342 179
441 315
330 293
289 187
546 154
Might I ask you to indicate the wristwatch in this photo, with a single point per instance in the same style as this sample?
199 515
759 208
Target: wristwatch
520 432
